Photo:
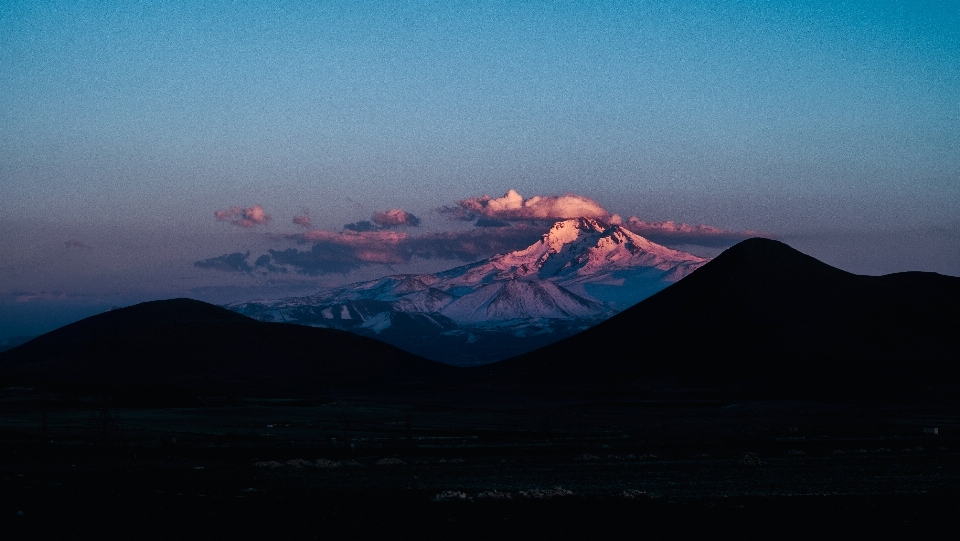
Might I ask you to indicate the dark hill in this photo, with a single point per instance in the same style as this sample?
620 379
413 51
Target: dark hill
762 311
183 345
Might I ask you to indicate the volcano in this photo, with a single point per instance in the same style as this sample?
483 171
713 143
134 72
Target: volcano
579 273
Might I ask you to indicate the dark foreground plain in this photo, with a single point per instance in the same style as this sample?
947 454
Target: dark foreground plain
766 394
675 465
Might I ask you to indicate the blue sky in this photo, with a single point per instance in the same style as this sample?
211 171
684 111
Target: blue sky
125 125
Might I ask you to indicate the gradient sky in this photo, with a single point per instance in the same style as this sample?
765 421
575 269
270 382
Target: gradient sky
125 125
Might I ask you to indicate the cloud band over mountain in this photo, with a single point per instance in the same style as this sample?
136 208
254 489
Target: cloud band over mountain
343 252
512 207
502 224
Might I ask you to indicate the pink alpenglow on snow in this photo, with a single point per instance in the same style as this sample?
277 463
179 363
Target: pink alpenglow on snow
243 217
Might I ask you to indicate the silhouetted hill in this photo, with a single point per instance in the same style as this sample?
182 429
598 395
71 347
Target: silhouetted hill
191 346
762 311
13 342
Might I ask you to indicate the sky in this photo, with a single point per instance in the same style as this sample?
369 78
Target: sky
227 151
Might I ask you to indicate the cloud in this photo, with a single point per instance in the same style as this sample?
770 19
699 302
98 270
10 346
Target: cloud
395 218
475 243
670 232
76 244
303 221
513 207
361 227
334 253
243 217
340 253
487 222
501 225
235 262
384 220
263 262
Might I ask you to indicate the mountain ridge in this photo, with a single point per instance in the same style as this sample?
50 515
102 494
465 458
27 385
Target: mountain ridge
764 311
190 345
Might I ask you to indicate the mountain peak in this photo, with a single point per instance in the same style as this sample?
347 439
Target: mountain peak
567 231
765 257
585 246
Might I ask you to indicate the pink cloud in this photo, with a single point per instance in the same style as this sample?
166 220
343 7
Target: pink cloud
394 218
513 207
243 217
364 247
503 224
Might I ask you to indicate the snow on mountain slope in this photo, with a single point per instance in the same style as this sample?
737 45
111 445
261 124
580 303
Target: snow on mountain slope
426 301
388 288
520 299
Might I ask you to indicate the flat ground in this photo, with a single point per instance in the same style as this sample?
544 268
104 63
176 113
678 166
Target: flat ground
568 469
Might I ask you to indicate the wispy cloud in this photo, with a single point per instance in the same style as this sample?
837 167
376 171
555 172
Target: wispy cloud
343 252
23 297
76 244
670 232
243 217
340 253
235 262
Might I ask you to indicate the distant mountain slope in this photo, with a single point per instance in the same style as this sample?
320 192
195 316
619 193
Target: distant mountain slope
764 311
579 273
188 344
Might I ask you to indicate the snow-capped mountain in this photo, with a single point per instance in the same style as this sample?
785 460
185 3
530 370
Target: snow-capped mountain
580 272
588 258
